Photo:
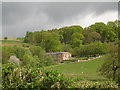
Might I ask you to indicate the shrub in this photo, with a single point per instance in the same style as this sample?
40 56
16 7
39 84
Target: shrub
92 85
26 77
33 56
90 49
5 38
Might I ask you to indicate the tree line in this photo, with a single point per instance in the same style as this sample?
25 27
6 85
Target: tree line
75 38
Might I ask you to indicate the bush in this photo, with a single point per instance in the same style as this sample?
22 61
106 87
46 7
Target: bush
5 38
33 56
26 77
7 52
92 85
96 48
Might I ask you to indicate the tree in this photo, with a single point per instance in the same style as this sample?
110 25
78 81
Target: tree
76 39
91 36
29 37
108 32
5 38
92 49
66 48
111 67
67 33
113 26
52 43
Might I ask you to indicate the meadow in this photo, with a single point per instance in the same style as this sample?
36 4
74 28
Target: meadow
12 42
81 70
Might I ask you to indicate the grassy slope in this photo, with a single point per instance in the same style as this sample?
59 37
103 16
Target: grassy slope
12 43
85 70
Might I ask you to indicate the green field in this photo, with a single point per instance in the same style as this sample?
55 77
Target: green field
12 43
82 70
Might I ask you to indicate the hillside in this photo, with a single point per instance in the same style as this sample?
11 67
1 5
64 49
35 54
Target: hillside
82 70
11 42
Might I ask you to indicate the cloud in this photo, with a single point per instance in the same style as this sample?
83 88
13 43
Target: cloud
19 17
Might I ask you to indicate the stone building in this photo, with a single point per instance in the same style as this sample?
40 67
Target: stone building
60 56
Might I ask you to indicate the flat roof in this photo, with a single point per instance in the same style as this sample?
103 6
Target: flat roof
57 52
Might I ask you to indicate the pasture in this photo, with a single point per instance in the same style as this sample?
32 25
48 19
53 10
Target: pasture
11 42
81 70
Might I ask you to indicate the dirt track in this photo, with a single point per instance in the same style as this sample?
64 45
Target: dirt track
89 59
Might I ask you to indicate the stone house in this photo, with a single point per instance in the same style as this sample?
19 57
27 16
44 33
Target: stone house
60 56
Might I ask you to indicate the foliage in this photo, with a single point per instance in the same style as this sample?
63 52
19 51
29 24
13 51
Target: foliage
76 40
5 38
90 36
20 39
73 36
67 48
96 48
33 56
67 32
108 32
29 37
96 85
20 77
6 53
52 43
26 77
48 41
111 67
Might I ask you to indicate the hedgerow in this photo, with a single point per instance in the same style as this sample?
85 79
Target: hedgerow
23 77
29 77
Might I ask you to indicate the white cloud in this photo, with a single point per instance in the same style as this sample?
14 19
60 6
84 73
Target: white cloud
91 18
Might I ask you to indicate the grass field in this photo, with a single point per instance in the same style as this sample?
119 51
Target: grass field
12 43
82 70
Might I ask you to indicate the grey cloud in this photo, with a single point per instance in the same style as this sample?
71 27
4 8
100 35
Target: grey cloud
62 11
14 12
20 17
57 12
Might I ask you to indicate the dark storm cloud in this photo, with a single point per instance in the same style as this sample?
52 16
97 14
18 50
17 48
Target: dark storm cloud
13 12
0 14
25 16
0 20
61 11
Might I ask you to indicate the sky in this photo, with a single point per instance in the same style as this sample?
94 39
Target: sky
19 17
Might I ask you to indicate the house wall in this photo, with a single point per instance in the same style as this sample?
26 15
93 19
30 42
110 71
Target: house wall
66 56
59 56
